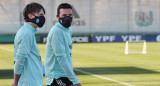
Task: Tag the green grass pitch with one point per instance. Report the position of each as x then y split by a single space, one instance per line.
101 64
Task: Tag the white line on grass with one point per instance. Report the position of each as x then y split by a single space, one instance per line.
105 78
6 49
10 50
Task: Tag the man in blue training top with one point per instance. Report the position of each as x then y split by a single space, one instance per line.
28 70
58 59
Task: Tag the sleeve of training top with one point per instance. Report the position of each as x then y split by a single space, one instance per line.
24 48
59 50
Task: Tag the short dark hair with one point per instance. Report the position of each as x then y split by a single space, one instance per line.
63 6
32 8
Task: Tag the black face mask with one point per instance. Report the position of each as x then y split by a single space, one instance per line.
38 20
66 21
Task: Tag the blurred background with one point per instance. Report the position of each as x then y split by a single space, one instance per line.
94 20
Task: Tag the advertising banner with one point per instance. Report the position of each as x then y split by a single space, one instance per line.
124 38
75 39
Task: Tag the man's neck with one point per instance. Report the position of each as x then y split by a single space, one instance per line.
33 25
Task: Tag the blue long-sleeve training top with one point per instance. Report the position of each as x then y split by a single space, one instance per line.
58 59
27 57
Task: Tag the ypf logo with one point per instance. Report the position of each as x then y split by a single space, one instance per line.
77 21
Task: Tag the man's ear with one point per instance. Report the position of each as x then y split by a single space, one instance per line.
30 16
57 17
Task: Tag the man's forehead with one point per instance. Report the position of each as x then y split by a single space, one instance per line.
67 10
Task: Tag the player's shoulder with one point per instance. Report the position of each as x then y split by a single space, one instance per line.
70 28
25 32
70 31
56 29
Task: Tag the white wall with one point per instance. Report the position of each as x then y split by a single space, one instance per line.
95 16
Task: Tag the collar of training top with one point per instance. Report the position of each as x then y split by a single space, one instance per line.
30 27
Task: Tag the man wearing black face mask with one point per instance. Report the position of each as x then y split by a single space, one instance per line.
28 70
58 58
